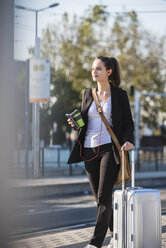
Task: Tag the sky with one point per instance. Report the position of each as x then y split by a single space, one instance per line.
151 14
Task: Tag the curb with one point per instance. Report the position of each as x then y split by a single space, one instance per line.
65 186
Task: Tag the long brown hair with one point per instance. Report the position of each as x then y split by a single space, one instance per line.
113 64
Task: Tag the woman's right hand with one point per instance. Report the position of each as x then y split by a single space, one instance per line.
70 122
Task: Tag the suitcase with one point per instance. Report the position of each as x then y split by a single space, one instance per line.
137 215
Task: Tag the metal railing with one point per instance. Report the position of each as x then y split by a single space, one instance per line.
55 158
151 159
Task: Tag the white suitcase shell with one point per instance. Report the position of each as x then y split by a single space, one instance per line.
137 217
119 219
143 211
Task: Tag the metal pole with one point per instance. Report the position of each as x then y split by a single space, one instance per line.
36 12
58 151
42 149
27 119
36 112
137 123
36 106
156 159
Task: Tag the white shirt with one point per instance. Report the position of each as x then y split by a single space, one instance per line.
96 133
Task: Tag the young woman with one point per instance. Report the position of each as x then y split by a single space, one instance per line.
94 144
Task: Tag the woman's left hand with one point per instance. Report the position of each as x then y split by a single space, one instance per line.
127 146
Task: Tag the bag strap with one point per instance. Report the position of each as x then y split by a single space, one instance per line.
99 109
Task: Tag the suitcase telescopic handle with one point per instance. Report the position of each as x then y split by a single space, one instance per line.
132 172
123 182
132 169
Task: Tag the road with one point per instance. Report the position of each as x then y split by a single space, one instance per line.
47 214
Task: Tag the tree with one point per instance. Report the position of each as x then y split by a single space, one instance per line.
72 45
141 59
67 99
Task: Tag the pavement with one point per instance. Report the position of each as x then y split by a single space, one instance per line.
46 187
77 236
69 239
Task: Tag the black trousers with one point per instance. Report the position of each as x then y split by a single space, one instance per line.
102 173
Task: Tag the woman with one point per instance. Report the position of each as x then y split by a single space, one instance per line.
94 141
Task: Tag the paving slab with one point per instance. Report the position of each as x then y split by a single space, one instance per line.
69 239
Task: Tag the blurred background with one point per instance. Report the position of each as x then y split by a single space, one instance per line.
71 35
35 138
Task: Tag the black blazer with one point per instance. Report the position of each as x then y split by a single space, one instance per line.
121 121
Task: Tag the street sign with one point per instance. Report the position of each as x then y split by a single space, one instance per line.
39 80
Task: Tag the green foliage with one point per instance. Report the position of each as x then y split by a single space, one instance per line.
97 14
66 99
72 45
